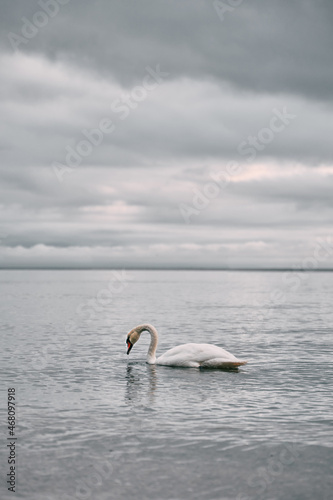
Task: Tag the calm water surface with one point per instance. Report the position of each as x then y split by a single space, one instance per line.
95 423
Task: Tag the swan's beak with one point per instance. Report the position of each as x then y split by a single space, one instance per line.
129 346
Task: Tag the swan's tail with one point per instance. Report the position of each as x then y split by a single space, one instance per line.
239 363
220 363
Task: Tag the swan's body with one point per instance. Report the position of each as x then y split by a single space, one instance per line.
186 355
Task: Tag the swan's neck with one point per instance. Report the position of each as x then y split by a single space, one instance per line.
151 358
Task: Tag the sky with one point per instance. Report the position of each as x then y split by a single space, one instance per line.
166 134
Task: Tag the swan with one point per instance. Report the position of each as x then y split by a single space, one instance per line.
186 355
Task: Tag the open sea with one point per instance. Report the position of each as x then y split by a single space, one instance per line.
94 423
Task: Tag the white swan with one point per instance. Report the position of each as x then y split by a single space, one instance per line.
186 355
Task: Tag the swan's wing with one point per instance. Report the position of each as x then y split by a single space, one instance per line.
196 355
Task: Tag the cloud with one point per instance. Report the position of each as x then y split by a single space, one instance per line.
263 49
183 120
224 83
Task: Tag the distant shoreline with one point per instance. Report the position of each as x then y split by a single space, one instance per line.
224 269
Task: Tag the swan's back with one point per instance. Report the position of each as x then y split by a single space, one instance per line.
199 355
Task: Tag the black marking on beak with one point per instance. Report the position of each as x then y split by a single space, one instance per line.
129 346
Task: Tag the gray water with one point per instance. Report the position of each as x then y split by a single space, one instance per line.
95 423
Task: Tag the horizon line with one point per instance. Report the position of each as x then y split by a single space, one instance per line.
54 268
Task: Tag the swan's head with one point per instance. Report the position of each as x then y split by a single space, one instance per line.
132 338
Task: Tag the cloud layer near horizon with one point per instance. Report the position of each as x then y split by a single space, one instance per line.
181 94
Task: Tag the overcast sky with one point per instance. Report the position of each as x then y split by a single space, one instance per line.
166 133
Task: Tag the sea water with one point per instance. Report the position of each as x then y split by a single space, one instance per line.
92 422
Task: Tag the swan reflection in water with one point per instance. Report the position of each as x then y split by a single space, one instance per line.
140 384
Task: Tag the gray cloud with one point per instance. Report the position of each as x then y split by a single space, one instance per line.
277 47
120 204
